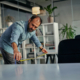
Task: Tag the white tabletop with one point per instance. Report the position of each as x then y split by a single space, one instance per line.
52 52
40 72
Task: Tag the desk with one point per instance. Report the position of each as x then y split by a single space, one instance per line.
51 56
40 72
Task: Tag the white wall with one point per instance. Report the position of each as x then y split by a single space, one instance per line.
76 15
77 24
69 12
64 10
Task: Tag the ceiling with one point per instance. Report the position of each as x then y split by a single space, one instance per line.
36 2
44 2
40 2
23 4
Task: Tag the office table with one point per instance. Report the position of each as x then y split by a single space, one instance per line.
51 56
40 72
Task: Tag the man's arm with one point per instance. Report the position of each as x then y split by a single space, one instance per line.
14 40
36 40
43 49
17 54
38 44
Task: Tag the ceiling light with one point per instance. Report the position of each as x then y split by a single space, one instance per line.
36 10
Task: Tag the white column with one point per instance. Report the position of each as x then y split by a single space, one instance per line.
35 54
56 36
0 17
24 52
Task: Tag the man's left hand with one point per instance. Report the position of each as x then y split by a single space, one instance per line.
44 50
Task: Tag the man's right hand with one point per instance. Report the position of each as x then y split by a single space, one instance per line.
17 55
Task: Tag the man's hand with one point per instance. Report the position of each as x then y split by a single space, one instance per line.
44 51
17 55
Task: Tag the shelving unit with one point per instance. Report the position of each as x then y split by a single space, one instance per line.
48 36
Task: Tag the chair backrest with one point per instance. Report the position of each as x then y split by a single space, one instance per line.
69 51
77 37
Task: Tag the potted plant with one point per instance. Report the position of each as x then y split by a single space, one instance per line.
9 20
50 10
42 11
67 31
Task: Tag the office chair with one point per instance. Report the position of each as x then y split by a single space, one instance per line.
77 37
69 51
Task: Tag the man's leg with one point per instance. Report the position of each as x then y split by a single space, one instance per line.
8 58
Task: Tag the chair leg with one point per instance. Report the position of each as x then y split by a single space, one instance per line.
47 59
53 58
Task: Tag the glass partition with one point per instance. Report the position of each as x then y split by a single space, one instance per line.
13 12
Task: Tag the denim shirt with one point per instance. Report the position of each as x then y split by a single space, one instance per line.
17 33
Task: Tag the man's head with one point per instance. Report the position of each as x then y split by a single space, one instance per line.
34 22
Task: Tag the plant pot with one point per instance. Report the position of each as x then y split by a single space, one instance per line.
42 12
50 19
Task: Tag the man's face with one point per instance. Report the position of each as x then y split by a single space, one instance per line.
33 25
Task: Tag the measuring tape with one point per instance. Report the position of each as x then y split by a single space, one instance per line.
32 58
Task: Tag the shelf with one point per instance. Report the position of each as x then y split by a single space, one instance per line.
52 52
21 48
39 53
49 35
49 46
40 58
36 47
28 47
30 52
47 23
40 36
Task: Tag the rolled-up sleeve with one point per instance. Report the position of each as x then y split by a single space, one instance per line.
36 40
15 34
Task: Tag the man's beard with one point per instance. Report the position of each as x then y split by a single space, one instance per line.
29 29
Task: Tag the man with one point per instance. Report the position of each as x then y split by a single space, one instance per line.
13 37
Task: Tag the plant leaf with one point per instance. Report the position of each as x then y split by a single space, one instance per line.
53 8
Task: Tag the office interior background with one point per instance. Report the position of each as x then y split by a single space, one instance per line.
68 11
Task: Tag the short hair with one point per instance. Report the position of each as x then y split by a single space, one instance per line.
35 16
